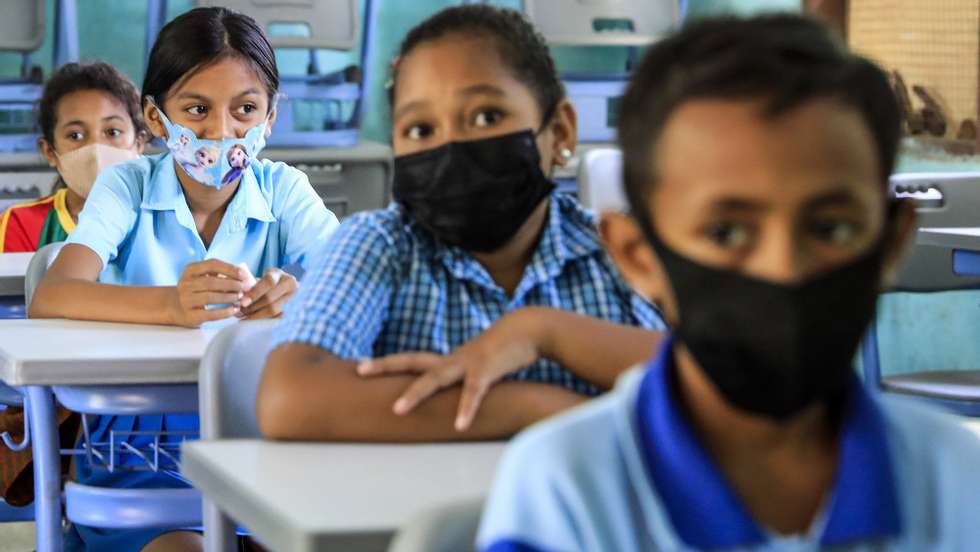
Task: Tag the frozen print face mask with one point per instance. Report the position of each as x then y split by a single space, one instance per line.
215 163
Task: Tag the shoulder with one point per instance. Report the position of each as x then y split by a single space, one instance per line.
576 219
131 178
276 173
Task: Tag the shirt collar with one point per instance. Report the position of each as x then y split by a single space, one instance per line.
165 194
568 234
704 509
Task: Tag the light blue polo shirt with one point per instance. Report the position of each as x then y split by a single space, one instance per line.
628 473
137 221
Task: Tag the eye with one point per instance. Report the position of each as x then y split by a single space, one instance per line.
418 132
75 136
197 110
835 232
113 133
488 117
729 235
247 109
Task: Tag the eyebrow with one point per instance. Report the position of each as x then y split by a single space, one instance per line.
838 197
475 90
737 204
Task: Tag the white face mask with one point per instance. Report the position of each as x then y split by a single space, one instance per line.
79 168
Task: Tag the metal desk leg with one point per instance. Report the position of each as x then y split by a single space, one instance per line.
47 469
219 530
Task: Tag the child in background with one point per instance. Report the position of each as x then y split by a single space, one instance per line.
157 244
90 119
477 232
756 160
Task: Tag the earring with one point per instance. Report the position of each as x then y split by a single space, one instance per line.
566 153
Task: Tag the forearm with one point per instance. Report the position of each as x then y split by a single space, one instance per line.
84 300
323 399
595 350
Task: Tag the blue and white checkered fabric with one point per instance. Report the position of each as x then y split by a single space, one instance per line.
384 285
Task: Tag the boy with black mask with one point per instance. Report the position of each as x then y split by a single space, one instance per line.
756 159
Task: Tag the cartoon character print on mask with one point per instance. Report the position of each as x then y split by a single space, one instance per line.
239 161
201 161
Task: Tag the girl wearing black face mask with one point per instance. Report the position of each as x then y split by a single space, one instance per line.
476 233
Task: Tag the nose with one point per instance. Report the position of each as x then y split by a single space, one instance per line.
222 125
782 257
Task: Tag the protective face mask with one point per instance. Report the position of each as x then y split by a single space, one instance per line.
215 163
79 168
474 195
773 349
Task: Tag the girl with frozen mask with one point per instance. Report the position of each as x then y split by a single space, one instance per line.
157 244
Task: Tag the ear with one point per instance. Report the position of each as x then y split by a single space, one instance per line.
152 117
900 240
564 128
634 257
272 119
47 150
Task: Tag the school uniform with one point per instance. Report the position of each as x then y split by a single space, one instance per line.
137 221
385 285
27 227
627 472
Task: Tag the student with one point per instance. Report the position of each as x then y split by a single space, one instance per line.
757 154
477 231
90 118
160 238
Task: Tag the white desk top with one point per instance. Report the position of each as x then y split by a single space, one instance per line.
294 496
13 267
63 352
959 238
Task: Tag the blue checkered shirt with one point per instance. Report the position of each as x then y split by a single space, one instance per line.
384 285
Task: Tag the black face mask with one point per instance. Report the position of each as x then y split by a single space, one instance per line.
773 349
474 195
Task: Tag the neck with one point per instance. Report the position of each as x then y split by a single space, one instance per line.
205 200
729 430
782 470
507 264
74 202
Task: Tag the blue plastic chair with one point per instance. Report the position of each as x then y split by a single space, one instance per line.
229 381
943 200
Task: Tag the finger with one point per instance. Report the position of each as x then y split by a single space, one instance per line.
474 389
280 293
272 311
212 283
260 288
422 388
213 266
208 315
214 298
400 363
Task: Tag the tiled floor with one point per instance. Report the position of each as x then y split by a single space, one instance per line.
16 537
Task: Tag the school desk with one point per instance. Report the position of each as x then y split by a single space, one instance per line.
36 355
303 496
13 267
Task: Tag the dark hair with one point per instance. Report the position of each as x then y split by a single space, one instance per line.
201 37
520 46
784 60
75 77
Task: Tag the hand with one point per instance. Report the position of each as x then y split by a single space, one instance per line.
503 349
205 283
266 298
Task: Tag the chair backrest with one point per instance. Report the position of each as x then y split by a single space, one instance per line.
332 24
22 25
38 266
450 528
228 383
942 200
603 22
600 180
